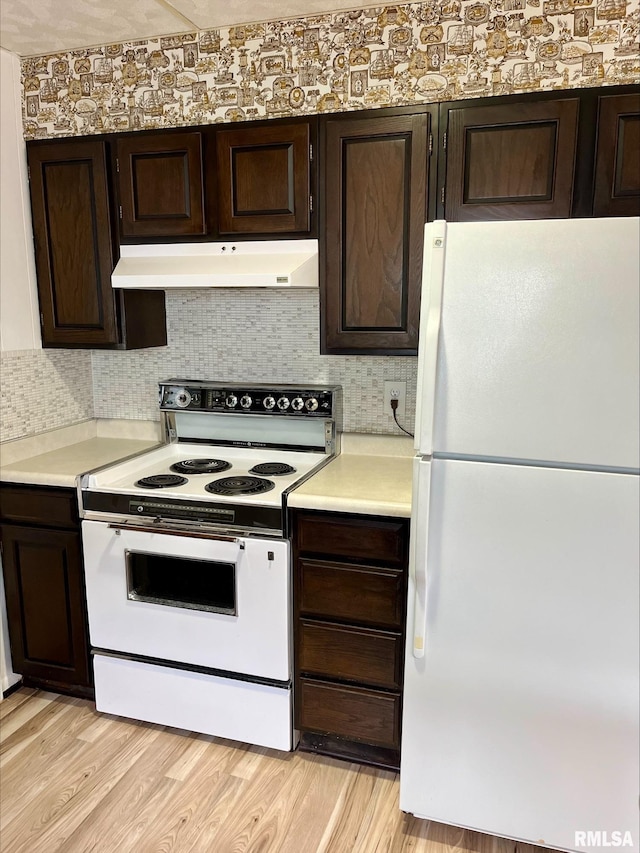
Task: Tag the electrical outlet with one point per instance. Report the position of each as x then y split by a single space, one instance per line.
395 391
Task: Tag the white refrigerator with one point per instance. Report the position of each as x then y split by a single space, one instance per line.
520 714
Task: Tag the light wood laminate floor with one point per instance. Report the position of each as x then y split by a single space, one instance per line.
73 780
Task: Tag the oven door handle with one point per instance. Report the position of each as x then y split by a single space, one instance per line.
191 533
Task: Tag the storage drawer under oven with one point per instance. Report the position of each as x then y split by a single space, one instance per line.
217 602
224 707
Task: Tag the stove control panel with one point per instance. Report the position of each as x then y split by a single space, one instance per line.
277 400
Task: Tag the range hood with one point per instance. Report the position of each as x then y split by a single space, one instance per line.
273 263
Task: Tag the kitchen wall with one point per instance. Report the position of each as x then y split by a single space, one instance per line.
375 57
19 327
372 57
248 336
39 389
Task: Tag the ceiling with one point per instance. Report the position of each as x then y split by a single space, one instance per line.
31 28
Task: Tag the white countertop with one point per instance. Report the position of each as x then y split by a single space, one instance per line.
56 458
371 476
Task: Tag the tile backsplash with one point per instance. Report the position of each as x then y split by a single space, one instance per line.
218 334
248 336
42 390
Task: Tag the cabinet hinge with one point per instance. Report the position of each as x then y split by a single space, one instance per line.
117 164
29 173
442 195
310 151
444 141
42 319
430 144
310 204
120 211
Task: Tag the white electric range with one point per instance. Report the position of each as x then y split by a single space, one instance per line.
187 562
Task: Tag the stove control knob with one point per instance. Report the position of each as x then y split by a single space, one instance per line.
231 401
311 405
182 398
245 401
269 402
283 403
297 404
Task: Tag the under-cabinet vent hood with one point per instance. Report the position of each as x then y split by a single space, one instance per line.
274 263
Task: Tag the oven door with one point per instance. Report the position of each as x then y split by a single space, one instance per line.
201 599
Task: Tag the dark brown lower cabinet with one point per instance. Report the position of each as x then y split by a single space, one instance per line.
350 574
44 587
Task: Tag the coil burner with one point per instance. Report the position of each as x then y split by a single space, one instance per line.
201 466
161 481
272 469
239 486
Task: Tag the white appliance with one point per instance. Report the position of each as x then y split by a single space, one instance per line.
521 684
187 560
263 263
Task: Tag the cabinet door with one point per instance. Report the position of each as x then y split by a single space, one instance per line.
72 236
617 170
160 185
375 184
511 161
45 605
264 179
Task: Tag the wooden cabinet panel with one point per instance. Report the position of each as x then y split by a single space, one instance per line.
45 606
351 593
511 161
370 538
33 504
375 185
363 715
263 179
350 654
617 167
160 181
142 318
70 206
74 254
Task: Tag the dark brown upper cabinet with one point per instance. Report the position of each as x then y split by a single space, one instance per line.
264 179
74 254
160 185
510 160
375 177
617 163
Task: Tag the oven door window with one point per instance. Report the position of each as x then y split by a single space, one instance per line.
179 582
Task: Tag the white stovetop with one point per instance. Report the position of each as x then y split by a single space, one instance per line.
121 478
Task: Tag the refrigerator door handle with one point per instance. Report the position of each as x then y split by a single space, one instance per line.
435 237
419 554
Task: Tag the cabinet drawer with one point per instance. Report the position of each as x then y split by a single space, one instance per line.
351 712
352 654
39 505
380 541
352 593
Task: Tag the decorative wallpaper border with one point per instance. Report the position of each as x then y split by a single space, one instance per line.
396 55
